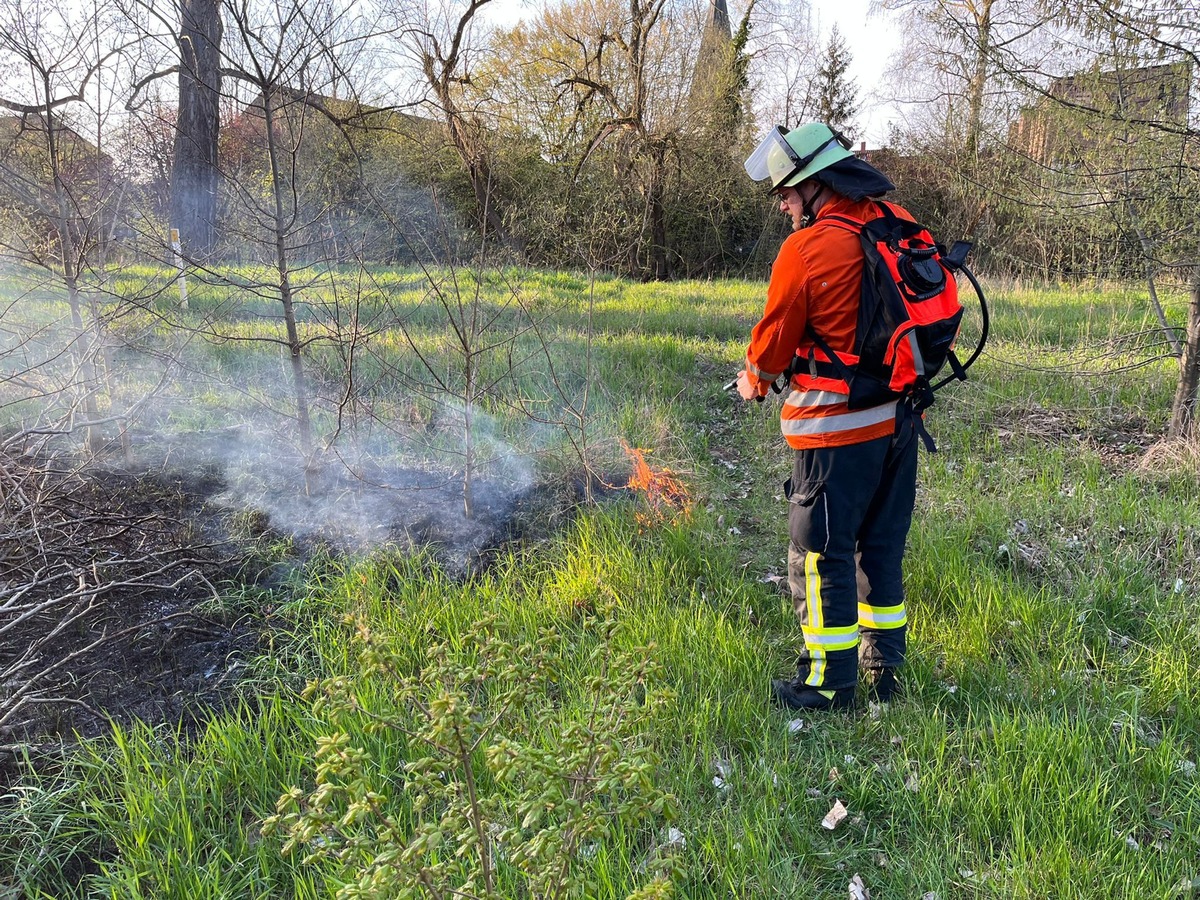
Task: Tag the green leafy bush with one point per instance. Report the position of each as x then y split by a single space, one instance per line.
506 787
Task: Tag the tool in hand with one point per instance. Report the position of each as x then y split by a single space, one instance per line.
733 384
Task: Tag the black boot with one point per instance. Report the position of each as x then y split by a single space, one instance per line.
800 696
882 685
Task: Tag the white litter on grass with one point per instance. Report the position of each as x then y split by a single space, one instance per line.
721 779
1131 843
930 895
858 890
1179 585
835 817
795 726
735 530
675 839
848 759
1186 767
912 783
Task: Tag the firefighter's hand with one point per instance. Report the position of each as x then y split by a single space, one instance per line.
745 389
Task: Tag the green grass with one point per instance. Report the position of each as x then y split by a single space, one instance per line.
1048 743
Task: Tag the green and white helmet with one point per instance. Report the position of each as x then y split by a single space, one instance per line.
790 157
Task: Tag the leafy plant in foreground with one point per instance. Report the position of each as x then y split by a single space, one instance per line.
492 800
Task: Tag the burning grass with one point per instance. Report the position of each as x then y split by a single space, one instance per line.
664 495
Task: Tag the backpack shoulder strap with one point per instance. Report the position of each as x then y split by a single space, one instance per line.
836 367
845 222
886 211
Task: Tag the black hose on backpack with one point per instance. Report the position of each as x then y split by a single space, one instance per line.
983 335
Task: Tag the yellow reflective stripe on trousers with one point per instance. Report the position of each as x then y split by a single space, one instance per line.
881 616
812 598
812 589
830 638
819 640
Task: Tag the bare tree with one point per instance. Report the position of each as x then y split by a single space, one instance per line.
968 98
620 78
1123 121
784 52
59 186
286 56
442 41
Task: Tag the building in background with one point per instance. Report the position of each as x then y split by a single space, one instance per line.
1081 111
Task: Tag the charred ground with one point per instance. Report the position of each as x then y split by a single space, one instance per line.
140 594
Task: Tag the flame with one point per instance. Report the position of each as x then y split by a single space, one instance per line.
664 492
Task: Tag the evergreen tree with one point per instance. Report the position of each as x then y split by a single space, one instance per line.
837 95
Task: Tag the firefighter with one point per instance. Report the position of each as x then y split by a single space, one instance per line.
853 483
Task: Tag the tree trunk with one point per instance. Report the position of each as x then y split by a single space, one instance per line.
468 457
983 50
194 175
660 265
475 164
1183 410
287 294
81 346
1148 252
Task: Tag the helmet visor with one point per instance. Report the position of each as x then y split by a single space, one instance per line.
773 158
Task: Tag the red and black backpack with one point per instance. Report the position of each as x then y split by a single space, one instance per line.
908 316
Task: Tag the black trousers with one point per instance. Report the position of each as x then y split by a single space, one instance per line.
850 509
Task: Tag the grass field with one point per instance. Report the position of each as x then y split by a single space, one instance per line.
1046 747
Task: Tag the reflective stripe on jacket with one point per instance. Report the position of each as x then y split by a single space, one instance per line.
817 279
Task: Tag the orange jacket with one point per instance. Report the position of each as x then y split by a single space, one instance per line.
817 279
